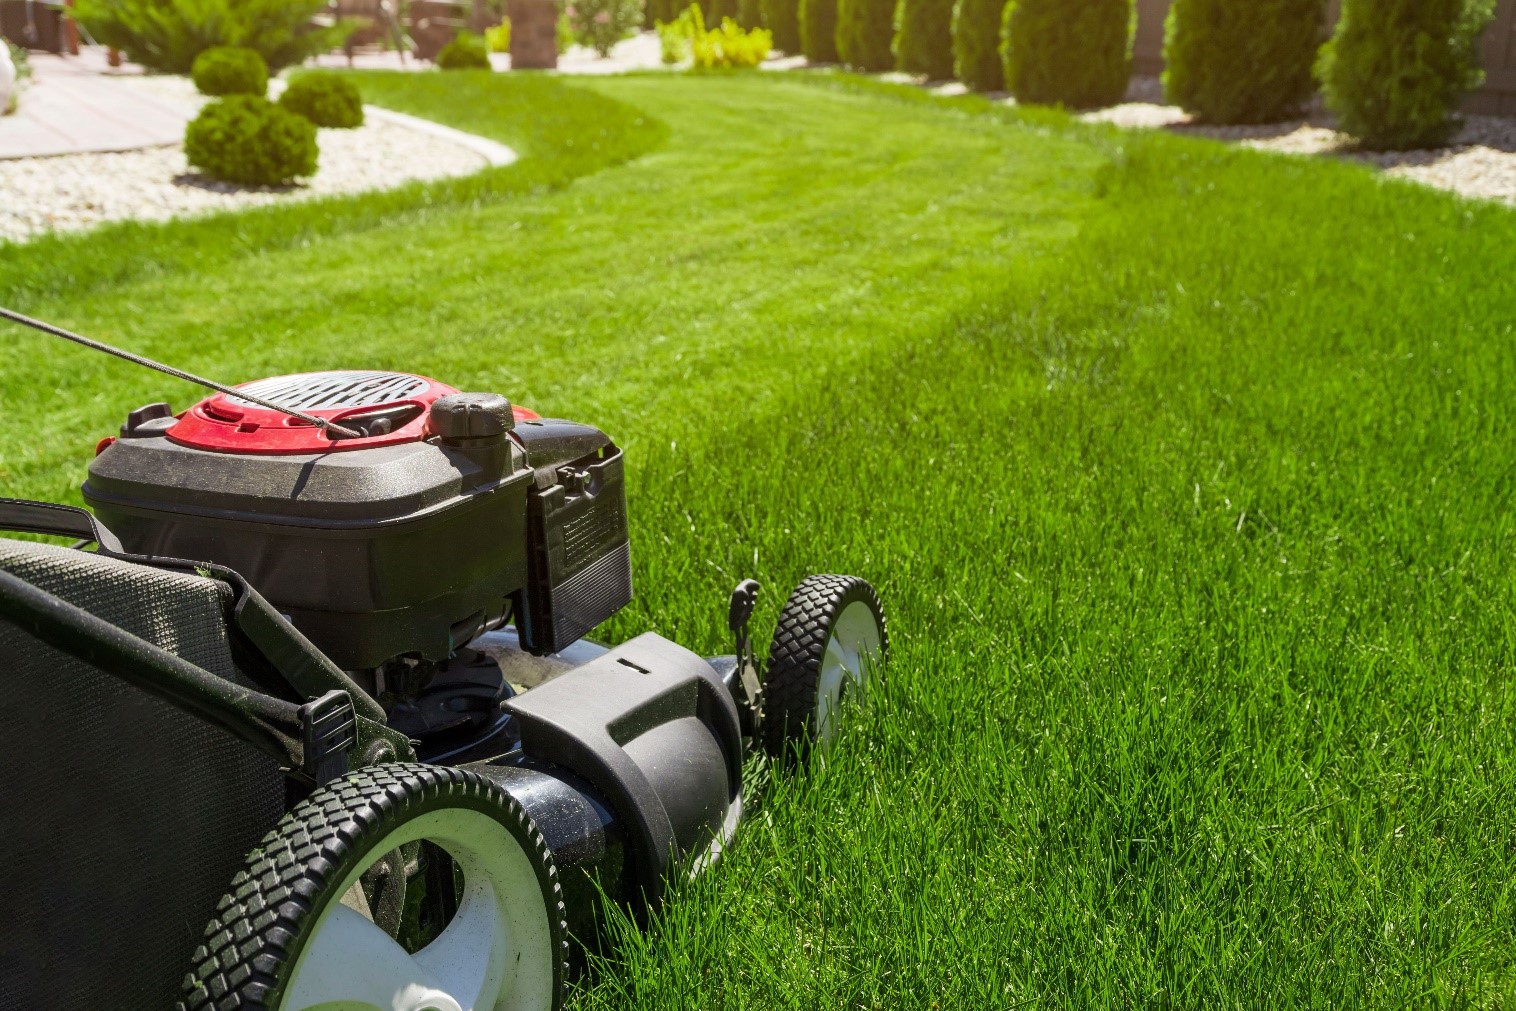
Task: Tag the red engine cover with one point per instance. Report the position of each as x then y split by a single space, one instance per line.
229 424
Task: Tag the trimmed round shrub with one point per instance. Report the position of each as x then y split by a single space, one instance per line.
976 44
1230 62
818 30
866 34
248 139
924 44
328 100
782 17
1076 53
1395 70
465 52
230 70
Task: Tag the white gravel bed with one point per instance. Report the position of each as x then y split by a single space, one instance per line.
1480 161
73 192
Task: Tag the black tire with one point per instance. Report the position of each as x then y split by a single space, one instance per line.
793 682
263 925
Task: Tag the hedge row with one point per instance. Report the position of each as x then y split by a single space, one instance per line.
1393 71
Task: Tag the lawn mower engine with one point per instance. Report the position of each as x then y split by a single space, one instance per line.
450 514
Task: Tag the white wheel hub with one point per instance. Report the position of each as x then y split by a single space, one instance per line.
495 955
852 647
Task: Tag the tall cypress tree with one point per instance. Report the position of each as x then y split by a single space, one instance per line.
924 44
818 30
976 44
865 33
1396 70
782 17
1251 62
662 10
1076 53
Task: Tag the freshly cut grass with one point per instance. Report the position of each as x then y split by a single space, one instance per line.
562 133
1184 471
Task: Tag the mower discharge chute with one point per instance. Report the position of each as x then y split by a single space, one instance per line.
323 685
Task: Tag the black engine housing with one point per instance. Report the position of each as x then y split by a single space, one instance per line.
409 549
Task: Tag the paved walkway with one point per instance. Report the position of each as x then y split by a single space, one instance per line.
78 105
74 105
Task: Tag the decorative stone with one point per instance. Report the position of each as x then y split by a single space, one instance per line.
534 34
69 192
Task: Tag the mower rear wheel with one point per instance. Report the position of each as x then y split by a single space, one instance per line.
296 931
831 635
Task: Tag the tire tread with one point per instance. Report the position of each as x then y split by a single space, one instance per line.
793 677
250 944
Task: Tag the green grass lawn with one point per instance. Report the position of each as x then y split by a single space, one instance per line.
1186 474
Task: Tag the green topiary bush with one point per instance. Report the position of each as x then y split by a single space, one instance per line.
924 43
976 44
466 52
1395 70
1076 53
248 139
167 35
866 33
818 30
782 17
230 70
326 99
1230 62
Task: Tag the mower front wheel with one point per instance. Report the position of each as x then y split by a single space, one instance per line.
831 636
297 932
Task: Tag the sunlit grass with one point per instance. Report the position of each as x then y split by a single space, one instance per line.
1185 473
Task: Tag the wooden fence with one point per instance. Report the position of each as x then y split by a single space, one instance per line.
1498 96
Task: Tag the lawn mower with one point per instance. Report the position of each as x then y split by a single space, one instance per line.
306 716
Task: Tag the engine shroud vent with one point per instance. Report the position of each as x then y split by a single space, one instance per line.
327 391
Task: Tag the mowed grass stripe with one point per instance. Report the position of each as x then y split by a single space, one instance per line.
1202 686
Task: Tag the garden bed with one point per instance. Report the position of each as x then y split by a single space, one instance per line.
1480 160
71 192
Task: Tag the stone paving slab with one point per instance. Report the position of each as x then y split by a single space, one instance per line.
73 106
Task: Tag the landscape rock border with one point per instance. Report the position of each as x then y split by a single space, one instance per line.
1479 162
79 191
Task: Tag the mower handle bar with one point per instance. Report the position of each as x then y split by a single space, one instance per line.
56 520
